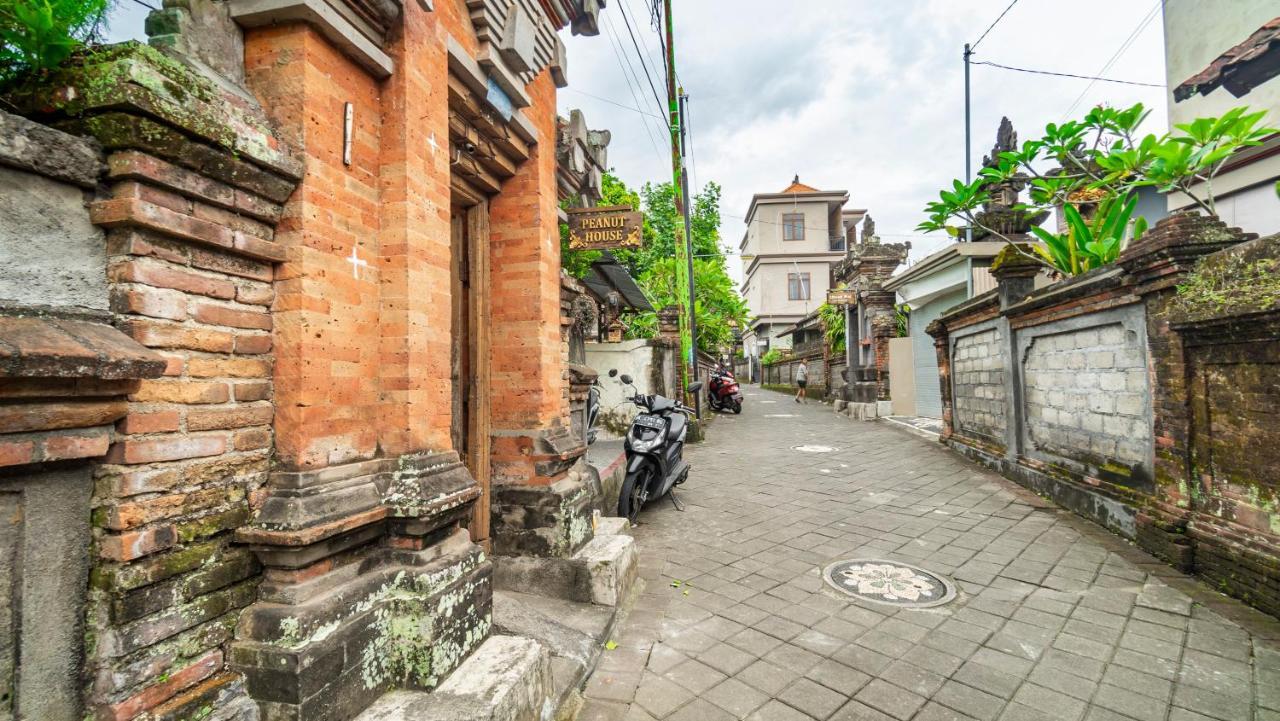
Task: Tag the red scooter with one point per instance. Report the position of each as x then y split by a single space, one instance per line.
723 392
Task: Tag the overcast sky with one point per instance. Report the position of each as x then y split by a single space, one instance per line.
860 95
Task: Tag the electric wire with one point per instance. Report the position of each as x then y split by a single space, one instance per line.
618 55
614 102
1067 75
1142 25
992 25
622 7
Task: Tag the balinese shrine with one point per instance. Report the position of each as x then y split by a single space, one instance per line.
287 415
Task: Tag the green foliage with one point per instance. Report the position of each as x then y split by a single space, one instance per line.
718 307
773 355
833 327
1091 243
38 35
1100 159
902 320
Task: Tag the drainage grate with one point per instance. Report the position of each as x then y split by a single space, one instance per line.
893 583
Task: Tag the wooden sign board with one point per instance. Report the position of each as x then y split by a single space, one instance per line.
842 296
605 228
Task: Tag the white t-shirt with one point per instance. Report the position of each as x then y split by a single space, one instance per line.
802 373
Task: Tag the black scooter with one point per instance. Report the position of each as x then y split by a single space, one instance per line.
655 450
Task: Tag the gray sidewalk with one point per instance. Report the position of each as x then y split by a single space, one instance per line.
1055 618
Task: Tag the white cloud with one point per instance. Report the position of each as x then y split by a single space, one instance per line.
860 95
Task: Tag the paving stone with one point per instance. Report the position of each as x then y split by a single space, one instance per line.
660 696
892 700
1056 619
812 698
736 697
767 677
777 711
726 659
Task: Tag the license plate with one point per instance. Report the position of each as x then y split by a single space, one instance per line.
654 422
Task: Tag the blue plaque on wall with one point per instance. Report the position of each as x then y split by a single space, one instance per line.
499 99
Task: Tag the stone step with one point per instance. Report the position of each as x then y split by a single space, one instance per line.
602 572
574 633
508 678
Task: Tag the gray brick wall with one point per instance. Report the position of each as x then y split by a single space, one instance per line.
1086 395
978 376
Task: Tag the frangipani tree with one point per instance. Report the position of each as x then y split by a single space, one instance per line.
1100 162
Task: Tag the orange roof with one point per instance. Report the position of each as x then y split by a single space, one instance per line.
798 187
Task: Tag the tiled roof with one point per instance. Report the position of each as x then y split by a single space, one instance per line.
798 187
1262 47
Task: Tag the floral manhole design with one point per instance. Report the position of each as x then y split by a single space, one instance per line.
890 582
813 449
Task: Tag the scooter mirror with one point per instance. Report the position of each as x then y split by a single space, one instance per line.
626 379
695 386
613 372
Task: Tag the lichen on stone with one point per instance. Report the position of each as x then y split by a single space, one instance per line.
1239 280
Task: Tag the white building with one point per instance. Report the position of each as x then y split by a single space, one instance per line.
1221 55
792 239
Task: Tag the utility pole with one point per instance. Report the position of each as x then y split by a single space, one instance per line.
680 188
968 154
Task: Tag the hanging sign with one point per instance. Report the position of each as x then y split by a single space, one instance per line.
604 228
842 296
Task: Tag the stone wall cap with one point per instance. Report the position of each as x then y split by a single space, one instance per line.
1094 281
47 347
977 302
35 148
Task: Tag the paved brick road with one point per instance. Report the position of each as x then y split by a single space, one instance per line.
1055 619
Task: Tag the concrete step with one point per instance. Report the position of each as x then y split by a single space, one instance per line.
602 572
508 678
574 633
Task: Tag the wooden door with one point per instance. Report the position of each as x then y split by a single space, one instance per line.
469 352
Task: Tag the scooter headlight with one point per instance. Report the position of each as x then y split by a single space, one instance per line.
644 440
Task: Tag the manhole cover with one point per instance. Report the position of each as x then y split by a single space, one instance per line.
889 582
813 449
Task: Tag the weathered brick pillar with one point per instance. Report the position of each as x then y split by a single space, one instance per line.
1156 265
878 305
942 346
371 581
195 178
540 507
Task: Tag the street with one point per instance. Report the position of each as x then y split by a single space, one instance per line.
1054 619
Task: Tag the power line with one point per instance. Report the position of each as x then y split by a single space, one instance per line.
613 102
622 7
630 86
992 25
1142 25
660 61
1068 75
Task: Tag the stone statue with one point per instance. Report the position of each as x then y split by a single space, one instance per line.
869 230
998 213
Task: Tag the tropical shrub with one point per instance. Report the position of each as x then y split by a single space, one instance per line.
771 356
1101 162
38 35
833 326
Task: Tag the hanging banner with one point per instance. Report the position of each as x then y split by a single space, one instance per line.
842 296
605 228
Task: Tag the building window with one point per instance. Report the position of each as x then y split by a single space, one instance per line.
797 286
793 226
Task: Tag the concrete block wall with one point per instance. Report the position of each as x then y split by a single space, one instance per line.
1144 397
978 374
1087 394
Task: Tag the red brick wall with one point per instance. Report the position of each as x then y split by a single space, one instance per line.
196 443
327 365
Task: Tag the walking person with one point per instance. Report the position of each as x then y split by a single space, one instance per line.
802 379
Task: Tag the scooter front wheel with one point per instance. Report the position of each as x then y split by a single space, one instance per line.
632 496
737 407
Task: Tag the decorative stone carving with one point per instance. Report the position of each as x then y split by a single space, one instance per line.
582 157
998 213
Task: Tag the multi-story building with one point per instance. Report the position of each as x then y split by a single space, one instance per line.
792 239
1219 56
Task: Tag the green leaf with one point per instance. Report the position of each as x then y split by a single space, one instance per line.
610 645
